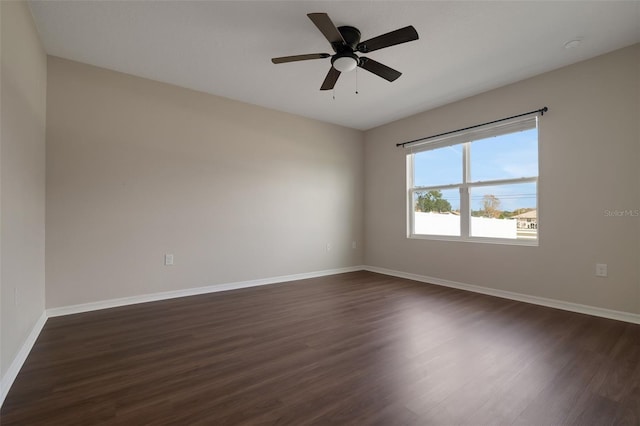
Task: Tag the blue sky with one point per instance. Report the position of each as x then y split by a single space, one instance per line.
502 157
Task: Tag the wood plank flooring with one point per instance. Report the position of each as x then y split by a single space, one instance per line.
349 349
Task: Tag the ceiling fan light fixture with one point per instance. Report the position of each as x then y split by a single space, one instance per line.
345 63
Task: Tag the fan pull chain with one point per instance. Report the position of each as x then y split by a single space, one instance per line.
356 80
334 92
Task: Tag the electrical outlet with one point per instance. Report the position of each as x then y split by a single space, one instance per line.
328 246
353 244
168 259
601 269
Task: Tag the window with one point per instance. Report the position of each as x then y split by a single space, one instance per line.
481 185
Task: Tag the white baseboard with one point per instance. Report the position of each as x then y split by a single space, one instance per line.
551 303
113 303
21 357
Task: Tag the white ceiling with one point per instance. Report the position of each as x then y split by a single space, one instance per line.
224 48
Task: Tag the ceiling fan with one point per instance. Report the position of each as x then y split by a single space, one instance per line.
345 41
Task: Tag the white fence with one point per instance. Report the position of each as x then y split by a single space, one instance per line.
449 224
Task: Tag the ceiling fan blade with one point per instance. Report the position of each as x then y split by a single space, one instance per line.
330 79
295 58
379 69
326 27
400 36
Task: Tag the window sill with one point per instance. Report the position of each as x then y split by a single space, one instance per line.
481 240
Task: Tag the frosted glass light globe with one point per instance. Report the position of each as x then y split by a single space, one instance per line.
345 64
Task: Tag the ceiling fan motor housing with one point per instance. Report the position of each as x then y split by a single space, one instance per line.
351 36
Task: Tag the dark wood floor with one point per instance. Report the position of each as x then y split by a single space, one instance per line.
358 348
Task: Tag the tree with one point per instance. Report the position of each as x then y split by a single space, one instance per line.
432 201
491 206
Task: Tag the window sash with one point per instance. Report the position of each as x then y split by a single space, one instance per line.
476 184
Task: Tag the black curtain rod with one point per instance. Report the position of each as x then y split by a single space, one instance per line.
541 111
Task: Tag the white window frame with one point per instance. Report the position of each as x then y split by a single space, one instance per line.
465 139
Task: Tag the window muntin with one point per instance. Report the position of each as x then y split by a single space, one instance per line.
480 186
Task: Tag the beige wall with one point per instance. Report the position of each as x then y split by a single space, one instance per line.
22 178
590 151
137 169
